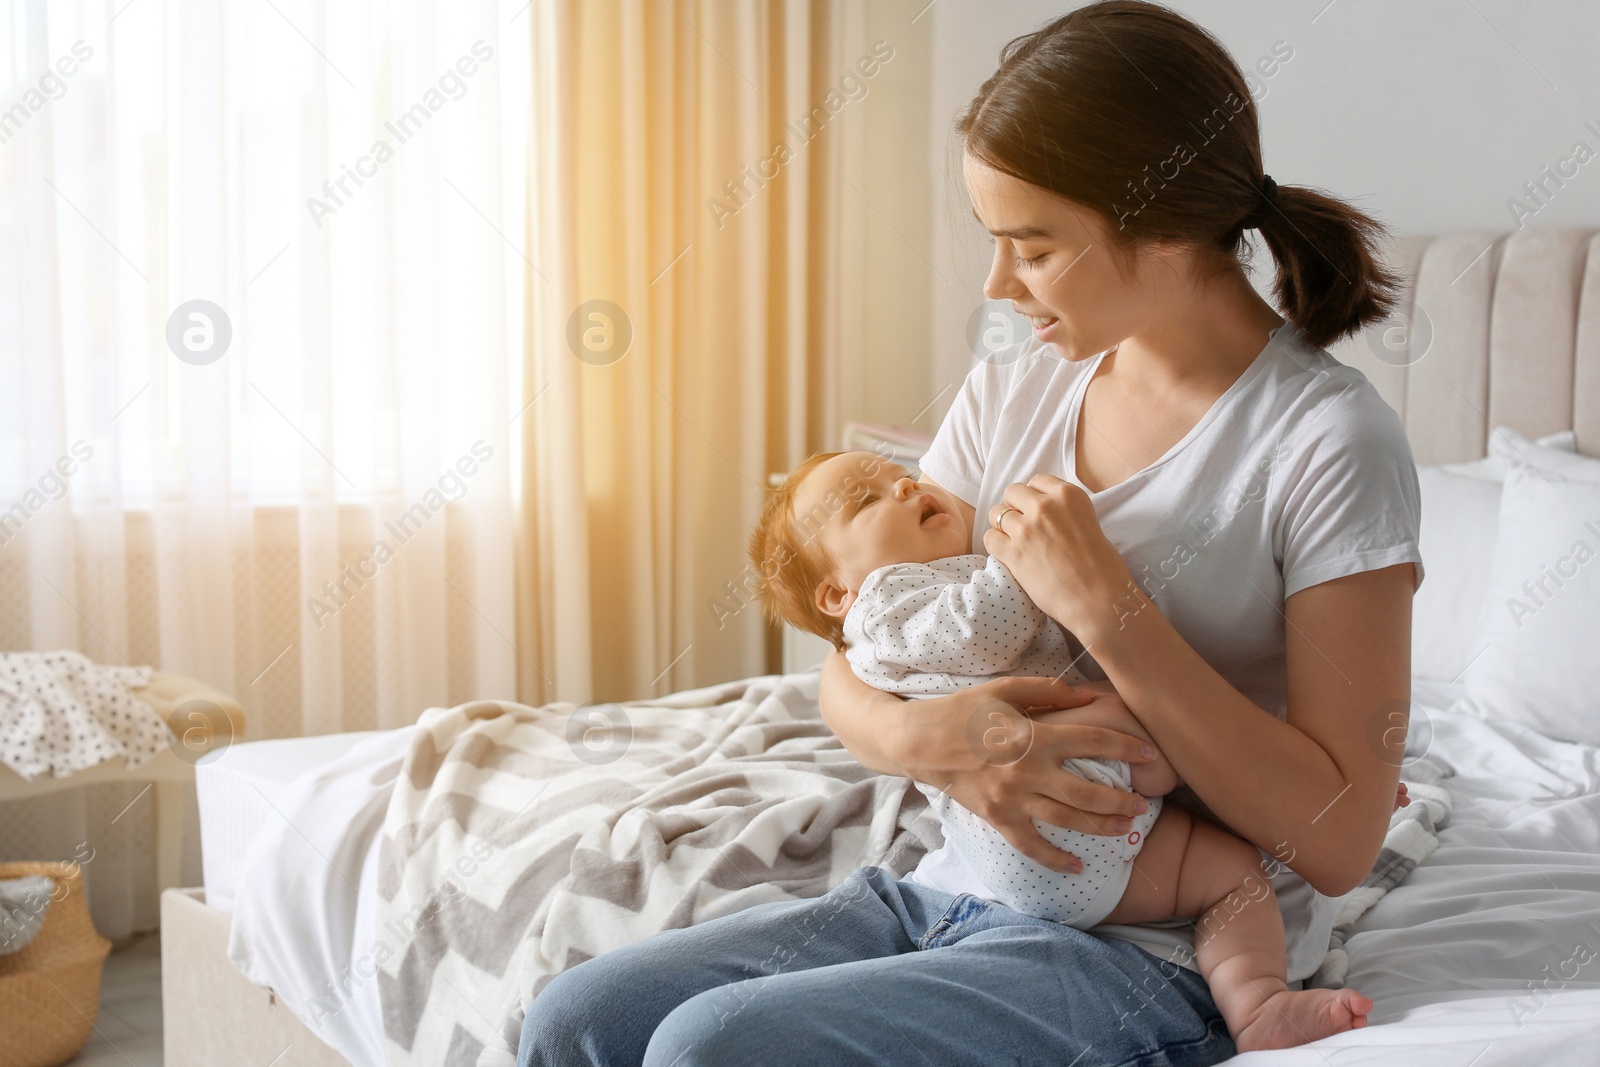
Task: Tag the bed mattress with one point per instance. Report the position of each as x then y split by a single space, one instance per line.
238 789
1485 955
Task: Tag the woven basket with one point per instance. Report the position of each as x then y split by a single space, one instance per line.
50 991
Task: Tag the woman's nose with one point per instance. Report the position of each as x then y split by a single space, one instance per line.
1002 282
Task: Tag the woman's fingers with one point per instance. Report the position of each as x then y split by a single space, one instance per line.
1045 483
997 732
1022 497
1020 830
1018 776
1036 694
997 515
1088 806
1072 741
996 543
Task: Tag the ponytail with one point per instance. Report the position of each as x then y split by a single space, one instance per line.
1329 282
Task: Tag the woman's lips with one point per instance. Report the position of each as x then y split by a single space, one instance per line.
1042 323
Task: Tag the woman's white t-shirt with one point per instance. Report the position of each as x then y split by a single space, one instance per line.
1298 474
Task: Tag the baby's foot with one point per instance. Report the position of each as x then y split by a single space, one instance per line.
1293 1018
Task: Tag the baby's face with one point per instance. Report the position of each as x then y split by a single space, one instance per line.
866 513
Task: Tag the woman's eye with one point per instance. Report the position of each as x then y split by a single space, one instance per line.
1023 261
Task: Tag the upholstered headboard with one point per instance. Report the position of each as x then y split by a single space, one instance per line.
1497 329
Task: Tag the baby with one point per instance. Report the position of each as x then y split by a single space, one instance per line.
855 550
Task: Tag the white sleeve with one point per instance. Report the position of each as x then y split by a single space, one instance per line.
955 459
920 619
1351 500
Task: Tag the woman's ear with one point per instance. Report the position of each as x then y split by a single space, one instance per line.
833 599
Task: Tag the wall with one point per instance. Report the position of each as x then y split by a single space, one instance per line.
1429 115
886 206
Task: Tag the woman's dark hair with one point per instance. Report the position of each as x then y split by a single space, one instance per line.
1129 109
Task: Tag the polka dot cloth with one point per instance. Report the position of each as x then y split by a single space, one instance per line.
932 628
61 712
927 629
1079 900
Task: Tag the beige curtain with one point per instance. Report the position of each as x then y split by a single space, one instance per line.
729 214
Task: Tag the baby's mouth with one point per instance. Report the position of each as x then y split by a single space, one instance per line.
929 510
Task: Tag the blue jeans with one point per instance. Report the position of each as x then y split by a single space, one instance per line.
876 971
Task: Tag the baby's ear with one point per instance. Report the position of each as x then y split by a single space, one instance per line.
833 599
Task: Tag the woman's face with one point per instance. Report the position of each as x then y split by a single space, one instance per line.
1053 262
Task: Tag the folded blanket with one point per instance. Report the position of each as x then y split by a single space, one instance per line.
521 841
60 712
1413 835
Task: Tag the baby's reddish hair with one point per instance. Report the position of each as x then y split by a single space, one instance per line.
790 561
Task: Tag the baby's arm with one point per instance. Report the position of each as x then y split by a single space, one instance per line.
1153 779
918 618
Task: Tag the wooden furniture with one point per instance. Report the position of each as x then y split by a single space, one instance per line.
213 1014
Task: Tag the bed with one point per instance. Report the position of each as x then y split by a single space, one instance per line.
435 876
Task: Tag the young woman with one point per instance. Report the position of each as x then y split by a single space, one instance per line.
1222 514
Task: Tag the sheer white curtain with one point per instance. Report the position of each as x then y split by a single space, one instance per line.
315 517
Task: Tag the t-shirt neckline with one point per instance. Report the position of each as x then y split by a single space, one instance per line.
1069 445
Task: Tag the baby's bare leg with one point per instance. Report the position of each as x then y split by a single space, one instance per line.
1189 866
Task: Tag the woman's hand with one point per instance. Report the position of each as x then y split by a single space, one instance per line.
1048 536
995 759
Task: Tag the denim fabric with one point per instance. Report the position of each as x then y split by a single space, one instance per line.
876 971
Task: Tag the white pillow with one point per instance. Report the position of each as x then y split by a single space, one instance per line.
1460 515
1507 446
1540 629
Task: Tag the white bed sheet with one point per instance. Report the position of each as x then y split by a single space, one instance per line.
1489 953
305 909
1473 960
237 788
1514 886
1458 1031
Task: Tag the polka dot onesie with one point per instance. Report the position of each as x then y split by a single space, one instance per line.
928 629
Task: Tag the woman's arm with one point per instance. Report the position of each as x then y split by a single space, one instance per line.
996 762
1316 789
1331 768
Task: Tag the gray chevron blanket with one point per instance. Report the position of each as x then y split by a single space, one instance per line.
520 841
